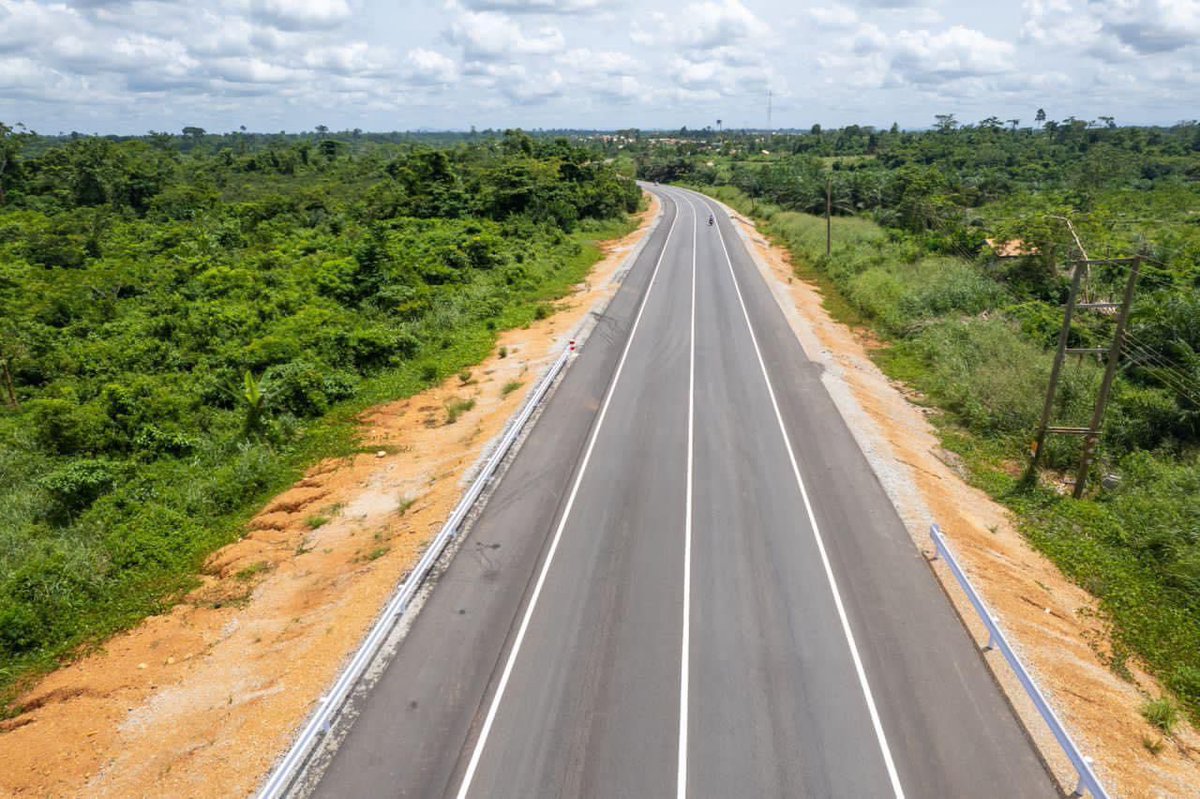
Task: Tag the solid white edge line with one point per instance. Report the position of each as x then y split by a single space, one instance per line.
477 753
812 519
685 647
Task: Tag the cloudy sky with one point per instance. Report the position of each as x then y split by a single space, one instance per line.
128 66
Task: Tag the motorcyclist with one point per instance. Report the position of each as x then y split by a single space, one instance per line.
711 220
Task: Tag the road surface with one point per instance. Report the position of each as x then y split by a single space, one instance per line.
689 583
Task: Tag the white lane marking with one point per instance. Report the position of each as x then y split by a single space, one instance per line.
490 719
685 649
812 520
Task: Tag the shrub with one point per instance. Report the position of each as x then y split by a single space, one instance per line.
456 407
305 388
1162 713
155 538
80 483
64 427
153 440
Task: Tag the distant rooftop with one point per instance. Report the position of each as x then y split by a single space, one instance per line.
1016 248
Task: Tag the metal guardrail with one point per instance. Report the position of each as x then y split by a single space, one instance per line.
321 721
996 640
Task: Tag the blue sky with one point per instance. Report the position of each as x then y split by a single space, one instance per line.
128 66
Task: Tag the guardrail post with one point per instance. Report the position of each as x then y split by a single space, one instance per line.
1081 786
328 725
991 644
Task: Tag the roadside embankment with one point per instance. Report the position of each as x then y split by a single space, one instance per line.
200 701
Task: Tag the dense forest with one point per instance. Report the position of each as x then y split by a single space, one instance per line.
186 322
973 332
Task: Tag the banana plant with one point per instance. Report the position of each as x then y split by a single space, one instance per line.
255 398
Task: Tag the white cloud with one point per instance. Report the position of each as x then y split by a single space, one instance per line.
600 62
1151 26
1113 28
251 70
539 6
703 26
924 56
490 36
351 59
834 16
302 14
431 67
129 65
520 85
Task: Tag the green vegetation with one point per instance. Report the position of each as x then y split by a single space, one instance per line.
1162 713
457 407
375 554
185 327
510 387
973 332
253 570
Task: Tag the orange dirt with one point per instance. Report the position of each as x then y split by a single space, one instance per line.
1052 623
199 702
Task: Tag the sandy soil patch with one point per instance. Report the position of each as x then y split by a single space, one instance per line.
1052 622
200 701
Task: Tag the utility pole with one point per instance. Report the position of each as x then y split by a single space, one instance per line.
828 216
1091 433
1110 372
768 111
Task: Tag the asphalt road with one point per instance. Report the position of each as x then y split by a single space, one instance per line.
688 583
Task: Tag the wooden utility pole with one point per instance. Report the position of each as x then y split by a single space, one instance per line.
1110 372
1056 370
1091 433
828 216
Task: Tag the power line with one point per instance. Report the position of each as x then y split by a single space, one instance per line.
1152 347
1166 374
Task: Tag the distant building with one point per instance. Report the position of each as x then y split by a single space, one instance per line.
1012 249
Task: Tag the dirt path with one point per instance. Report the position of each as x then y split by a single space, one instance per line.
200 701
1052 621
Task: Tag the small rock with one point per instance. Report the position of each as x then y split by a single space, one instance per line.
170 661
381 453
141 665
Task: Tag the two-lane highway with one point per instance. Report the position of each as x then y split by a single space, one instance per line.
689 583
